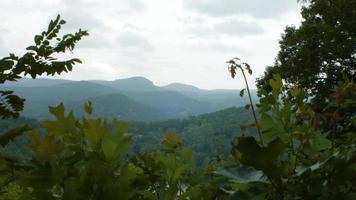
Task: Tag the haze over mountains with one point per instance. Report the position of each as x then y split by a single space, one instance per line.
135 98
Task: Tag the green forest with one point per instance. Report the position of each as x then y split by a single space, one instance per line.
294 138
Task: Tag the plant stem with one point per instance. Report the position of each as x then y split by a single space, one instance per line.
252 107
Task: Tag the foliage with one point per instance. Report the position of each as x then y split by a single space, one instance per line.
13 133
87 159
298 155
38 59
297 159
320 52
207 135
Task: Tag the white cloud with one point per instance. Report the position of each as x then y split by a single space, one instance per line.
166 41
129 40
224 27
137 4
254 8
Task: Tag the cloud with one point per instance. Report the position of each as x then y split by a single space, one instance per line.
227 26
137 4
159 39
6 42
254 8
132 41
82 20
3 49
82 14
238 28
95 41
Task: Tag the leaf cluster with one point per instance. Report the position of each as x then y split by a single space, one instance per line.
40 58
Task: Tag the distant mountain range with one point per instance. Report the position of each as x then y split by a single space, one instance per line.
135 98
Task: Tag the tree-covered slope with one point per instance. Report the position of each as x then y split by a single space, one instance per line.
218 99
108 101
208 134
132 94
119 106
39 98
173 104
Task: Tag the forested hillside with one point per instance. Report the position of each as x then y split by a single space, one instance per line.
134 98
207 135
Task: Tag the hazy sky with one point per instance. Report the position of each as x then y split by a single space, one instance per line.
187 41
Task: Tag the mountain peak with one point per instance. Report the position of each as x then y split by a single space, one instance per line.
181 87
135 79
137 83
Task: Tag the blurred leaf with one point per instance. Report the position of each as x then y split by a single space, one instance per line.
318 142
11 134
171 141
242 92
265 159
88 107
276 84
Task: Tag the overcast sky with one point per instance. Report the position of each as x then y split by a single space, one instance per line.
187 41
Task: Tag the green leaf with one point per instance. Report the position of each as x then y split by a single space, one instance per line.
38 39
265 159
115 145
88 107
171 141
271 129
10 104
120 126
180 171
109 148
295 91
318 142
353 121
9 135
57 111
242 92
276 84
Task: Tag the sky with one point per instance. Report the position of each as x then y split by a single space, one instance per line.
166 41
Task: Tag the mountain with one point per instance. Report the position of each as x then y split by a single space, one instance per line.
118 106
39 98
109 101
106 100
171 103
41 82
134 98
218 99
139 84
181 87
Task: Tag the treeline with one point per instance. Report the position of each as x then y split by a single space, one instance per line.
208 135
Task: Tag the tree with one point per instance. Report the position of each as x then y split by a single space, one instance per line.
39 59
319 53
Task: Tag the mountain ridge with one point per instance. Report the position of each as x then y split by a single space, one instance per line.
176 100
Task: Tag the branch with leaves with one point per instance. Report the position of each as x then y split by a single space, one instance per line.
38 60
